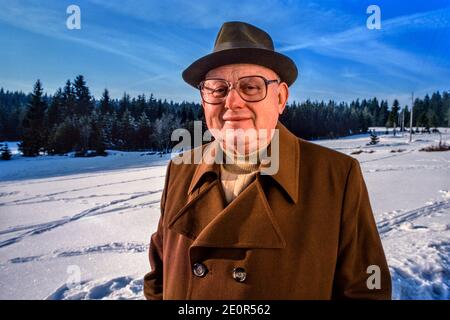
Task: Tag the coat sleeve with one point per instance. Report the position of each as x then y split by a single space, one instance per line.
361 270
153 281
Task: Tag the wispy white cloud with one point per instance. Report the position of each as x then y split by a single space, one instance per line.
201 14
134 49
370 52
425 20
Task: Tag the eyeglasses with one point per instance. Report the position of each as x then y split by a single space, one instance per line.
250 89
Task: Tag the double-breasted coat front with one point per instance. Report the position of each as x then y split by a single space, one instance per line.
306 232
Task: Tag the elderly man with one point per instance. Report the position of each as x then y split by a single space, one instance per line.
231 230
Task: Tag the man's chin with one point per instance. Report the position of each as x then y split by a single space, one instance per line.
240 142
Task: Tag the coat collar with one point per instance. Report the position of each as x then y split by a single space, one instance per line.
286 176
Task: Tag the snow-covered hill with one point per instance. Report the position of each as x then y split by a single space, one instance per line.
74 228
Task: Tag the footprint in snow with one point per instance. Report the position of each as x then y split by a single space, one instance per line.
125 287
408 226
438 227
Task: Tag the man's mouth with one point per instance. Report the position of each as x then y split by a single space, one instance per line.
235 118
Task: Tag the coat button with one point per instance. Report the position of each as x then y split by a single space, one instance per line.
199 270
239 274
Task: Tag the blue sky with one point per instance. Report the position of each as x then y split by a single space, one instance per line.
143 46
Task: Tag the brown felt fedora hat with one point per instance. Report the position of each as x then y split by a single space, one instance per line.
240 42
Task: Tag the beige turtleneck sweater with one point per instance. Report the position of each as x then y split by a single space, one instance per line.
237 175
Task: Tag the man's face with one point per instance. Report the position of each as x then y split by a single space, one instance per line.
236 113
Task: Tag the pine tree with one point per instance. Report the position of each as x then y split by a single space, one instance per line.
374 139
437 113
83 99
105 103
446 108
68 101
448 117
365 119
54 115
127 130
393 115
159 109
5 152
143 132
422 121
108 124
374 108
98 136
85 129
124 104
140 106
425 118
66 137
33 141
383 114
405 120
433 119
114 128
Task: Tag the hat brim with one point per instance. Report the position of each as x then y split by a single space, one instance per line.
281 64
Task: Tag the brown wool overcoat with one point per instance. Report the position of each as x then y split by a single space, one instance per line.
307 232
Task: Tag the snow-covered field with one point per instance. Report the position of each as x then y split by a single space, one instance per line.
74 228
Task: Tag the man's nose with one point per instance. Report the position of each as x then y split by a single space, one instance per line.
234 100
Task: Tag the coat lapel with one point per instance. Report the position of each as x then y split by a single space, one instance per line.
247 222
202 207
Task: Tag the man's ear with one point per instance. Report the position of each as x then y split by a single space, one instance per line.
283 95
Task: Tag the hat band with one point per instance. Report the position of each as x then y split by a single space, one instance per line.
239 45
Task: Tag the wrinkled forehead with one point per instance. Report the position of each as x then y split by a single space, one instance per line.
232 72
